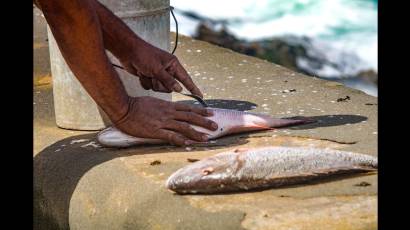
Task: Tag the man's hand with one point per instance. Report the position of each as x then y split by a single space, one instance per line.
150 117
83 29
157 69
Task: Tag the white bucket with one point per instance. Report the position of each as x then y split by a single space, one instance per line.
74 108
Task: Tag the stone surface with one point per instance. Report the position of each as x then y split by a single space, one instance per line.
82 185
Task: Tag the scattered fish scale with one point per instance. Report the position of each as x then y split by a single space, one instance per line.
246 169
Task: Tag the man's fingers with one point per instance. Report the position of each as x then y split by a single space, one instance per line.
173 137
195 115
159 87
152 83
131 69
146 83
168 81
182 76
196 109
186 130
195 119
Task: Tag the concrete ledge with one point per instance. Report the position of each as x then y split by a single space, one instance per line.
81 185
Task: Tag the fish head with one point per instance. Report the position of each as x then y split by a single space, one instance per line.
202 175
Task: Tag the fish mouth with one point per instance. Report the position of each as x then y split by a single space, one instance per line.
169 184
197 184
180 181
179 186
200 187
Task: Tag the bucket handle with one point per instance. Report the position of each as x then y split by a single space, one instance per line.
171 9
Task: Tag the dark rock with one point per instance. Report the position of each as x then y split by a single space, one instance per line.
347 98
283 51
220 38
363 184
156 162
192 160
369 76
287 51
275 50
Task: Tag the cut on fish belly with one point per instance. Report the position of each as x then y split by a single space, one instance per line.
267 167
229 122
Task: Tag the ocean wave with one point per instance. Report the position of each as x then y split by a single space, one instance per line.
347 27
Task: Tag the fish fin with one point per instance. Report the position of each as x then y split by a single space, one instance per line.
247 128
278 123
325 174
332 171
342 170
260 126
208 171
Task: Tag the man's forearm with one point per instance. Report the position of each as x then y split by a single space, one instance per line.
115 31
75 26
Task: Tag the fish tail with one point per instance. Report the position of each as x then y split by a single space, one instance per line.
366 162
371 165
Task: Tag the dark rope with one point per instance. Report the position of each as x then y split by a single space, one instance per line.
171 8
176 29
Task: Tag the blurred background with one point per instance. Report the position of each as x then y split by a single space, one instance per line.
330 39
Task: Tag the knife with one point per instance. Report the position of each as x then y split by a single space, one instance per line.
200 100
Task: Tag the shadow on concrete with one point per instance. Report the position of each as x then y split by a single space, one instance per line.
225 104
59 168
328 121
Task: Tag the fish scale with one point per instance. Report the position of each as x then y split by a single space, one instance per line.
266 167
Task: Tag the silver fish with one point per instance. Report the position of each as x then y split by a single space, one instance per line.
229 122
268 167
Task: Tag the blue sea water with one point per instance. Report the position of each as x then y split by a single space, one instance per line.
345 31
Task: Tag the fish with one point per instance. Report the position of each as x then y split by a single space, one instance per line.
229 122
245 169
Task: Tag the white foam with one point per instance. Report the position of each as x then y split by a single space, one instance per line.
317 19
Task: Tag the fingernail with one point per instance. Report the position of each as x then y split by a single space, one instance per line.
210 112
177 88
204 137
214 125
